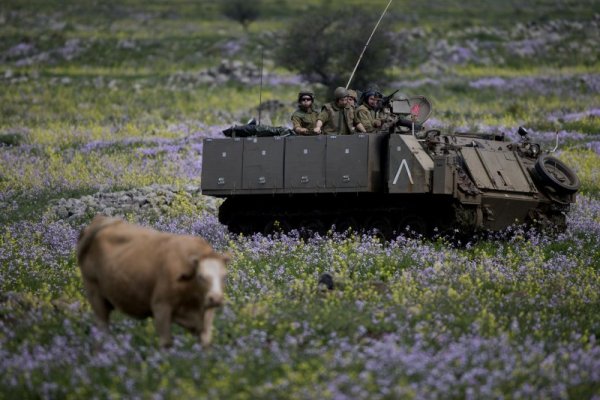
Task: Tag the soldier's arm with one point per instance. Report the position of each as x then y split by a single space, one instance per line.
321 120
298 125
362 118
379 118
318 126
361 128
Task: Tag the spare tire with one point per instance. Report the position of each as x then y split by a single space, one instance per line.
556 174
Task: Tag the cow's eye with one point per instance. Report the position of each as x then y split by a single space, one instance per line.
186 277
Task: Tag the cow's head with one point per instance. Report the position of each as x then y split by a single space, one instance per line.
211 272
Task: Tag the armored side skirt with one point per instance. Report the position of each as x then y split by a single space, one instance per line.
298 164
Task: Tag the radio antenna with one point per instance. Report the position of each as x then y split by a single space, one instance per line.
262 54
367 44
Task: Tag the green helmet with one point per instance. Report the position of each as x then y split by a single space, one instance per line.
340 92
305 93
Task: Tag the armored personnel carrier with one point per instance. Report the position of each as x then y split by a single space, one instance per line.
402 177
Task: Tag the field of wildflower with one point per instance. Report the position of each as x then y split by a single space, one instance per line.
108 96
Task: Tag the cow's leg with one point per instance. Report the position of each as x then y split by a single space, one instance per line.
206 329
162 313
100 305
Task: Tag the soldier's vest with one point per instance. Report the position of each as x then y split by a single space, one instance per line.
340 120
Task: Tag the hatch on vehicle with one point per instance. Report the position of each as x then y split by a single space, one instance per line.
497 170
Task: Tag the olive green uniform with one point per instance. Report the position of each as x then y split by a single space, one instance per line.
305 119
367 116
337 120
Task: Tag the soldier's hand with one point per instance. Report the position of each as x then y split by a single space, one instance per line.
317 130
377 123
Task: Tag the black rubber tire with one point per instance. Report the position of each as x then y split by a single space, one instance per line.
557 174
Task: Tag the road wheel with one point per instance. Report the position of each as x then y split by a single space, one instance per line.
413 224
309 227
380 227
345 225
276 225
242 225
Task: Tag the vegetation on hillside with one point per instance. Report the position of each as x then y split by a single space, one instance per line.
103 96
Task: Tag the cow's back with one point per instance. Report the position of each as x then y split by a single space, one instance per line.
126 262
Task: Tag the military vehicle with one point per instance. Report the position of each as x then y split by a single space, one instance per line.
402 177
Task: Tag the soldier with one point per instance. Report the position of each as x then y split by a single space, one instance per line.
366 114
337 117
304 118
352 96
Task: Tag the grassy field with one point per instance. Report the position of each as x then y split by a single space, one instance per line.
104 96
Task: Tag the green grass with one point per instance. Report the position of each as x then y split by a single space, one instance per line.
514 311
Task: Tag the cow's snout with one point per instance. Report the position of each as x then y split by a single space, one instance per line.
214 299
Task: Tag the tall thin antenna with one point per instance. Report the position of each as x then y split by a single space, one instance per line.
367 44
262 54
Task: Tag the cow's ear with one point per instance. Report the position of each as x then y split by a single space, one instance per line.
190 269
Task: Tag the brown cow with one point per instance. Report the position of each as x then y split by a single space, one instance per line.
143 273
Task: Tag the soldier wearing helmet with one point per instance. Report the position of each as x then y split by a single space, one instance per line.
304 119
366 114
337 117
352 96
